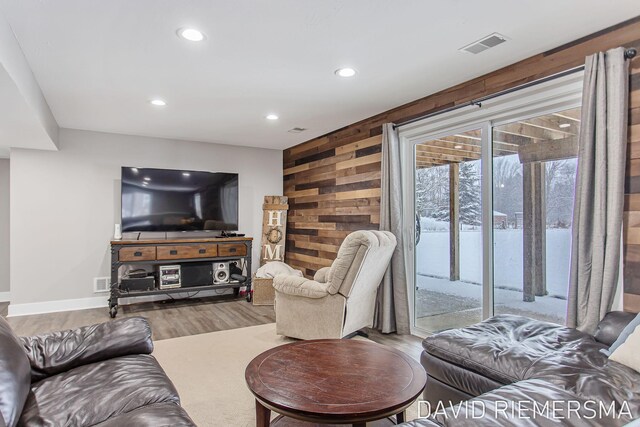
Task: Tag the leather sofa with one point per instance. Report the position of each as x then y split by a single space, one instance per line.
503 371
101 375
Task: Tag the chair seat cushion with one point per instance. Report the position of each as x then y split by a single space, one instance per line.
503 347
299 286
91 394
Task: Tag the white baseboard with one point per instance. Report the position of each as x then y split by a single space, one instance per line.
5 296
56 306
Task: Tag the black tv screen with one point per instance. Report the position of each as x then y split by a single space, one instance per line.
178 200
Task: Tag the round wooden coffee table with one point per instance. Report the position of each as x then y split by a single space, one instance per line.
333 382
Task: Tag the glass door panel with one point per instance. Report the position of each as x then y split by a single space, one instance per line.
534 170
448 256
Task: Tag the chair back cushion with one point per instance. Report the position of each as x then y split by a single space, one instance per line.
362 260
15 375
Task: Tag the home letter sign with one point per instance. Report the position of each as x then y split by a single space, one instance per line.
274 228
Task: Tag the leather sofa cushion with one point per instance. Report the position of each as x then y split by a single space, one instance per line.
56 352
586 372
91 394
156 415
502 348
512 405
612 325
468 382
15 376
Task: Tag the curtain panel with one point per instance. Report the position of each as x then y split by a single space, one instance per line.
599 199
392 308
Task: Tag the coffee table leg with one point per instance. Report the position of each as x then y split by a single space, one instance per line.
400 417
263 415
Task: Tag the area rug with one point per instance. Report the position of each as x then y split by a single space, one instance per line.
208 371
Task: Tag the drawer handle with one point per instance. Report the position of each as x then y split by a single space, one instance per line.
232 250
202 251
138 253
173 252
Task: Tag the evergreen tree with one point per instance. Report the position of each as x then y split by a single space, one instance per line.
470 204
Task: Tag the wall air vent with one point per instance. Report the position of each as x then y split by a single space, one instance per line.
101 284
485 43
297 130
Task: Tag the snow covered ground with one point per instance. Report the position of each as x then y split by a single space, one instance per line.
437 296
432 257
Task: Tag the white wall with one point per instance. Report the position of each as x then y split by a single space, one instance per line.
64 204
4 226
17 68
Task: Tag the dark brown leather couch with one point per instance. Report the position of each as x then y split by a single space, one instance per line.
505 369
101 375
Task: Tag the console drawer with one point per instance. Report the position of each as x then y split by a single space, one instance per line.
232 249
137 253
187 251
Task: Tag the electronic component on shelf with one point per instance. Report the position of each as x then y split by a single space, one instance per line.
138 284
169 277
221 273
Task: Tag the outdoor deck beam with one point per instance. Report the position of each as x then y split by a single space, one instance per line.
454 224
534 231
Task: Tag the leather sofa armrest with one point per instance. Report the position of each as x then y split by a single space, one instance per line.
300 286
611 326
322 275
57 352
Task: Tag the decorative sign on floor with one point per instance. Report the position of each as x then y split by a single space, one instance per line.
274 228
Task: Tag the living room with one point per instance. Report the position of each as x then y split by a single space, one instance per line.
449 189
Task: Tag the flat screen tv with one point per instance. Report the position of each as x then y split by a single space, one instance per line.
178 200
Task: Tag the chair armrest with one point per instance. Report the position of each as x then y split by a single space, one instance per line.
300 286
56 352
322 275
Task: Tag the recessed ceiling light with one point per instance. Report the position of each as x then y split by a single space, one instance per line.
271 117
564 125
457 147
186 174
146 178
191 34
158 102
345 72
145 183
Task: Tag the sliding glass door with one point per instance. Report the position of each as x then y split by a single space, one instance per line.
491 192
448 255
534 173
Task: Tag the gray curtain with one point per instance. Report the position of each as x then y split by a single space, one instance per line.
392 310
597 213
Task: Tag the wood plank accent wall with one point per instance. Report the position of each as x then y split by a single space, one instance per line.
632 197
333 182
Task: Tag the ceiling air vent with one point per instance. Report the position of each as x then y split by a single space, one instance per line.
483 44
297 130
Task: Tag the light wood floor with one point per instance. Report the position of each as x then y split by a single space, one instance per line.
183 317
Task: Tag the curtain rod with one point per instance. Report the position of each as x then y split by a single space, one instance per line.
628 54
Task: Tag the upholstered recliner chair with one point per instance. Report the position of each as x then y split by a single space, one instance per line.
340 299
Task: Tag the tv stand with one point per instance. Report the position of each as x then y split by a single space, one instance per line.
177 251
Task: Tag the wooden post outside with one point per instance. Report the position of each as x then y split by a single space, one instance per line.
528 233
274 228
454 222
534 231
540 215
